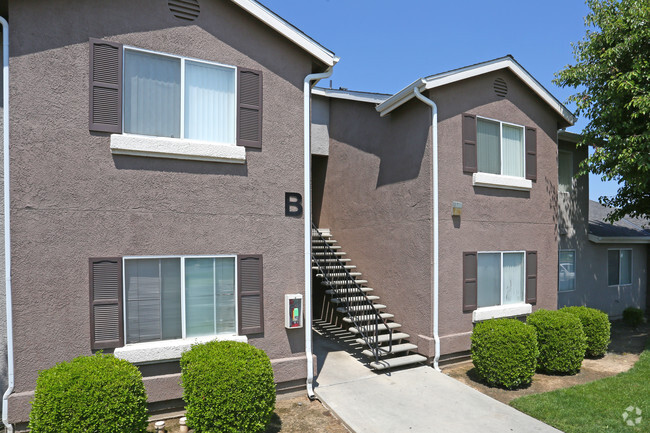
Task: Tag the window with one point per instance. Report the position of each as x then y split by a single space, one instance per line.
500 278
565 171
619 267
178 297
170 96
567 270
500 148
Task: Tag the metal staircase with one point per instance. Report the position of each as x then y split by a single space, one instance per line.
385 345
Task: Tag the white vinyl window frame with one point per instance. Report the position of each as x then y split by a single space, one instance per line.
523 144
575 270
523 253
620 267
182 276
183 59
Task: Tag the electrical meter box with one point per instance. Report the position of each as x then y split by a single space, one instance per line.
292 311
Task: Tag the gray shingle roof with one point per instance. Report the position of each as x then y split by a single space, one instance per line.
625 227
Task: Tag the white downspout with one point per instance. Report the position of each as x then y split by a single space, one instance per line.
7 210
436 247
306 203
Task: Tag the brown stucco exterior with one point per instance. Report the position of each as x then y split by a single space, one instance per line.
378 201
72 199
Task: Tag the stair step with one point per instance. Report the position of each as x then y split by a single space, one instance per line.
344 282
397 362
340 274
385 338
368 317
339 292
354 299
327 253
336 267
331 260
323 241
326 247
397 348
356 308
371 328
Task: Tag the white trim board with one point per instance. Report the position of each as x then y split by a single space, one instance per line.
444 78
375 98
288 31
619 239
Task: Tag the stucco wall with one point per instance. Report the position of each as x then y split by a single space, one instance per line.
72 199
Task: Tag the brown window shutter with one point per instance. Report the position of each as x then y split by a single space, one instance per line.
106 322
470 269
249 108
470 164
105 86
531 153
531 277
251 294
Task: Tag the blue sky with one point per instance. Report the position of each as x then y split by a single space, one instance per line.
385 45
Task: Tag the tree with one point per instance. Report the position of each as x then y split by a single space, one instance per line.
612 78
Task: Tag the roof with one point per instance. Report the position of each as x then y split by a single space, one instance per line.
625 230
351 95
444 78
288 30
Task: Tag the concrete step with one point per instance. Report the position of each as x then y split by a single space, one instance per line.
355 308
397 348
371 328
327 253
321 260
322 241
334 268
397 362
339 292
343 282
368 317
339 274
326 247
353 299
385 338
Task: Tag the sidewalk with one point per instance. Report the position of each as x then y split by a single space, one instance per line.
413 400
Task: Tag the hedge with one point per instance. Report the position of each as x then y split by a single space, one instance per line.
504 352
99 394
227 387
596 327
633 316
561 340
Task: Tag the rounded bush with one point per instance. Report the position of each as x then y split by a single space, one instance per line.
100 394
504 352
633 316
561 340
227 387
596 327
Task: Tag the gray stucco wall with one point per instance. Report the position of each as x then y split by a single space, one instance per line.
592 289
72 199
377 200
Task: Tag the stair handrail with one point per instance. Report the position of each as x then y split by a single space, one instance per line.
377 351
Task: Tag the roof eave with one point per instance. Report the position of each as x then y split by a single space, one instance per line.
619 239
348 95
288 31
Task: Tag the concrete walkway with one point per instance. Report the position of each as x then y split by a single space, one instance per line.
418 399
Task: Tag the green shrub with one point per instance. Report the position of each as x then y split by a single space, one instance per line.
99 394
633 316
561 340
227 387
596 326
504 352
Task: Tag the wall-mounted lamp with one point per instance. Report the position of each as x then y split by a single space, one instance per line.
456 208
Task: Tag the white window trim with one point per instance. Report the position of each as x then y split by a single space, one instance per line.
501 253
181 341
523 143
178 148
498 311
575 267
489 180
558 172
619 267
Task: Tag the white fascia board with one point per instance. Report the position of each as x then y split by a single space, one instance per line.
473 71
350 95
288 31
400 97
619 239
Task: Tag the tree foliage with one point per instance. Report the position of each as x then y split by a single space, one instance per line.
612 78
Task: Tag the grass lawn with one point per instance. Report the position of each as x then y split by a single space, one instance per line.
597 406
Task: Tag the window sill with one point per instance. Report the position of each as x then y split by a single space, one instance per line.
176 148
166 350
490 180
497 311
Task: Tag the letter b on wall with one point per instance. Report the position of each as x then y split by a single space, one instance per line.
292 204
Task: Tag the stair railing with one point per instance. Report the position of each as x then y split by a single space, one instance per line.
335 276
